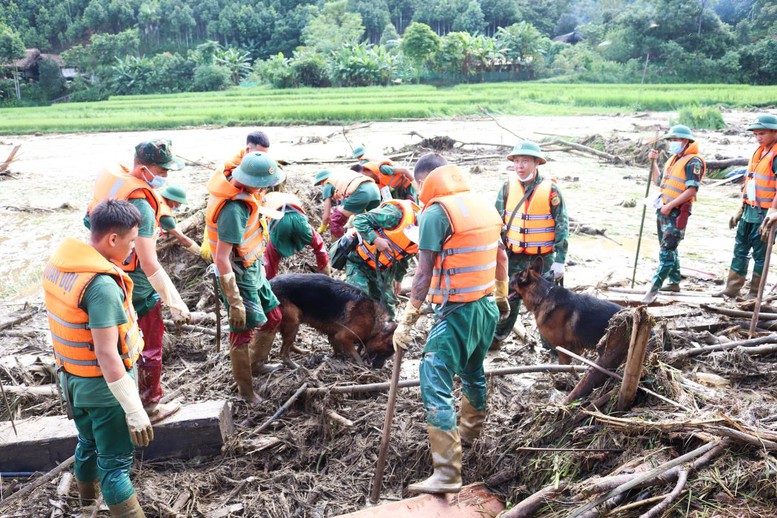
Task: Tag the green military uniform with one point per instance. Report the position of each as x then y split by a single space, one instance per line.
291 233
748 238
458 341
669 234
365 197
167 223
104 449
254 287
379 286
517 262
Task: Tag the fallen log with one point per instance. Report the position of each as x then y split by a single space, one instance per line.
739 312
585 149
687 353
656 511
728 162
640 335
49 390
528 506
377 387
170 325
17 320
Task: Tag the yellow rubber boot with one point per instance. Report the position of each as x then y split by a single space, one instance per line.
260 347
755 282
734 283
446 459
130 508
470 422
87 492
240 357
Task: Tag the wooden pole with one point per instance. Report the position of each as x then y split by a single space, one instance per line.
761 286
640 334
377 481
644 209
218 310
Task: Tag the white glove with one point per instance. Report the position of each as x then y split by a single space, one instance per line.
162 284
558 270
126 393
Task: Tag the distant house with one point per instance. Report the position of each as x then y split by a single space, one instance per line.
571 37
27 67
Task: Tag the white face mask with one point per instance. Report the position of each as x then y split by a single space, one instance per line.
528 179
675 147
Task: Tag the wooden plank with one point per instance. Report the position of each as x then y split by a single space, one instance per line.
699 323
44 442
673 311
473 501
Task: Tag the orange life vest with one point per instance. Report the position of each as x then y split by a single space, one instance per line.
254 241
231 164
760 171
533 228
392 181
118 184
283 201
673 178
401 245
465 268
345 182
67 275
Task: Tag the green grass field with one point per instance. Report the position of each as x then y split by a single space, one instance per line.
248 106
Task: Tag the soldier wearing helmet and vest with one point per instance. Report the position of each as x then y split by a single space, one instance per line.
461 264
153 160
397 180
758 211
97 341
291 233
388 237
535 220
345 194
679 183
172 198
237 234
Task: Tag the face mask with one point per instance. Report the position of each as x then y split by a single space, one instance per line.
529 178
675 147
156 182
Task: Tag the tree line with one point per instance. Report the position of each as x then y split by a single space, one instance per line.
159 46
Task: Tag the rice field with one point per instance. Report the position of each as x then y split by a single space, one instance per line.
252 105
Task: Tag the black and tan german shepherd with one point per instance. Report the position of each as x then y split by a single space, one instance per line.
564 318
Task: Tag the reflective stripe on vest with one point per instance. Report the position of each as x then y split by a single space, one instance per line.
533 229
760 171
64 289
118 184
392 181
465 268
674 176
253 242
346 182
401 245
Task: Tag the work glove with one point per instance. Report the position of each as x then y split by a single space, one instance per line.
326 270
558 270
194 249
205 253
126 393
407 321
768 223
237 311
734 221
501 300
162 284
323 228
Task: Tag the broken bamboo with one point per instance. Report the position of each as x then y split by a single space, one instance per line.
686 353
282 410
640 335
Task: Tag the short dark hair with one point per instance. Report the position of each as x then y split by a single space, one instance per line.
117 216
428 163
258 138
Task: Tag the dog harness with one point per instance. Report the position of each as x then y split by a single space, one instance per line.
67 275
674 176
401 245
533 230
760 171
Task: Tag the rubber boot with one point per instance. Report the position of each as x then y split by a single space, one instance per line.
446 459
672 288
260 347
337 222
130 508
651 294
87 492
160 411
470 422
734 283
240 357
755 283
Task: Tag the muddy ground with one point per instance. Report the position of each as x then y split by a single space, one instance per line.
308 465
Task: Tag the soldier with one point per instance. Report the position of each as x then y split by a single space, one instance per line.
353 192
173 197
460 263
291 233
535 220
153 160
236 231
97 341
757 213
679 184
388 237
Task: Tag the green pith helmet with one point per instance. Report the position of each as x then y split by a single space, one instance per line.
158 152
527 148
359 151
175 193
321 176
258 170
764 122
680 131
